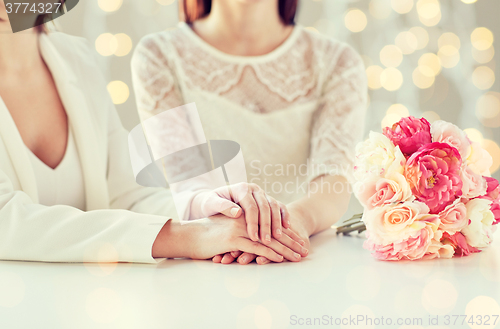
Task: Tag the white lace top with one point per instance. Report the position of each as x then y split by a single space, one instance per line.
297 112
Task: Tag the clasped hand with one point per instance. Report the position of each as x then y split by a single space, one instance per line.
268 222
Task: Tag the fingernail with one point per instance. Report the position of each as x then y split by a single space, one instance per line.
305 251
278 232
256 236
288 223
296 255
281 258
302 242
268 238
244 259
234 211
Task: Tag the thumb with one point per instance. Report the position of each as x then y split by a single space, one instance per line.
228 208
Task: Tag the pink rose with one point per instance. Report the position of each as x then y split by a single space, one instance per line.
473 185
453 217
434 175
459 243
409 134
412 248
445 132
493 194
394 223
381 191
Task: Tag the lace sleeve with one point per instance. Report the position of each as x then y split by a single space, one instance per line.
168 123
156 87
339 122
157 90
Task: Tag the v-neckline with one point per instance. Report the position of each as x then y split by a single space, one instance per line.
63 160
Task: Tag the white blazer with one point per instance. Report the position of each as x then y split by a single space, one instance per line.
122 218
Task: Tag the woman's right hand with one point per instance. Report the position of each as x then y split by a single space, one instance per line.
205 238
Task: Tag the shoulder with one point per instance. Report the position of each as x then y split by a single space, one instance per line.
72 47
331 52
158 44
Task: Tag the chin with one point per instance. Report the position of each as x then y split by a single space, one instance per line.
254 1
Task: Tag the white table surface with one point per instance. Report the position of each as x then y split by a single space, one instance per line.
338 279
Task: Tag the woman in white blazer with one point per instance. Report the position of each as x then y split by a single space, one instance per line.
67 192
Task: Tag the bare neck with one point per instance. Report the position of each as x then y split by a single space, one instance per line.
243 27
19 52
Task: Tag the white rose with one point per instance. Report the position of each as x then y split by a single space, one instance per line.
479 231
377 156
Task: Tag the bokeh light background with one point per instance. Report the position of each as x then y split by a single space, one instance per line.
431 58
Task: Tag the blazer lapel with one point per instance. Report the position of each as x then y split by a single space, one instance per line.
17 152
76 105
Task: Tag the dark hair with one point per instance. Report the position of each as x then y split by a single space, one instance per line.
195 9
44 18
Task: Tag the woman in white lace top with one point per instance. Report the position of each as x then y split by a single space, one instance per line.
293 99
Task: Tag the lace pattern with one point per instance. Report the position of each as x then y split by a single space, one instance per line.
172 68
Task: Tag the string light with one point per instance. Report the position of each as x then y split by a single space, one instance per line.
391 56
423 77
431 61
402 6
391 79
407 42
481 38
380 9
119 91
373 74
431 116
429 12
110 5
355 20
106 44
488 106
483 77
483 56
124 44
422 36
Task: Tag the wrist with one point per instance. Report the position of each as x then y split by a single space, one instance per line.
299 215
174 241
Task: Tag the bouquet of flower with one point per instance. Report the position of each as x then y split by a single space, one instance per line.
426 191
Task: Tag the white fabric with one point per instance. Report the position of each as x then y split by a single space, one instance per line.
63 184
297 112
122 219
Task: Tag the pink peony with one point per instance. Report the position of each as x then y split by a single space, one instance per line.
409 134
412 248
459 243
453 217
493 194
434 175
437 249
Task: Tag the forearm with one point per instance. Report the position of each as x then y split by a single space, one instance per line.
327 200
